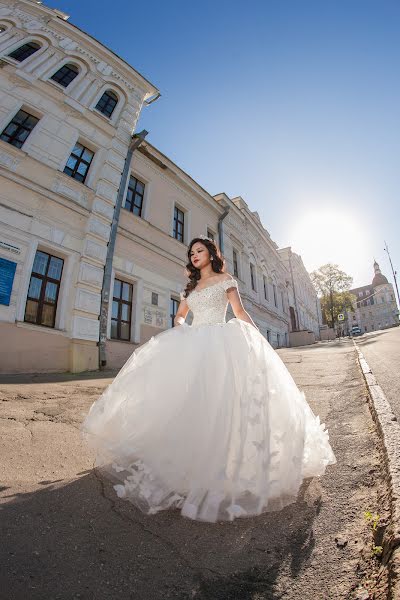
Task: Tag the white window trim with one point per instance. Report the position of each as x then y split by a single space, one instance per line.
44 45
186 225
137 295
147 195
122 101
83 71
92 175
70 260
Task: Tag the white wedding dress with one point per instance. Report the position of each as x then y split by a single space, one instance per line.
206 418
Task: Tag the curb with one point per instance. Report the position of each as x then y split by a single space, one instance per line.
389 430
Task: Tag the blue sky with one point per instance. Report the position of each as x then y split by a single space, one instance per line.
294 105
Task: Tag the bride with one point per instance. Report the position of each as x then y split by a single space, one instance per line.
205 417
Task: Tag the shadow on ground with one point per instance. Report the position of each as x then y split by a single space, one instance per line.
28 378
77 540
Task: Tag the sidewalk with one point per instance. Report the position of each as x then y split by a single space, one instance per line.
66 535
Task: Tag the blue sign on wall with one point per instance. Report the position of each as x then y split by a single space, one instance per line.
7 273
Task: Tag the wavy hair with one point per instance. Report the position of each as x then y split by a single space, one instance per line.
217 264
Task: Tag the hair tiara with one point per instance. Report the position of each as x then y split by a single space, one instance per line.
204 237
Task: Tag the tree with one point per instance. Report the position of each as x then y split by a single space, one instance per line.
332 286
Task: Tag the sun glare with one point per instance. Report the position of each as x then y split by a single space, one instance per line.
327 236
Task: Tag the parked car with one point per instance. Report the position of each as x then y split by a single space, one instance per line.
355 330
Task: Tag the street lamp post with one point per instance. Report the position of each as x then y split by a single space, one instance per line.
393 271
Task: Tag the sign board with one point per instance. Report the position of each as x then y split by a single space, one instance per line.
340 317
7 272
10 247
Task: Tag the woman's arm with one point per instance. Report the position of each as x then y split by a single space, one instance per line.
238 308
181 313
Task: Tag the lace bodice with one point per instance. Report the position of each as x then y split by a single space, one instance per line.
209 304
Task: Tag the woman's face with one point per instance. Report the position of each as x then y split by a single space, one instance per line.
199 255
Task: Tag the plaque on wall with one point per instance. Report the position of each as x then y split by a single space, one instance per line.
7 273
148 316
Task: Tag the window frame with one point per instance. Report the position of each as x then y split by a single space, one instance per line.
78 162
45 279
108 91
135 193
19 128
275 296
176 222
173 302
25 44
235 263
121 302
66 65
253 277
265 285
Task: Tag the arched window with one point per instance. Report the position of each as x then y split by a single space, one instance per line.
2 29
65 75
107 103
23 52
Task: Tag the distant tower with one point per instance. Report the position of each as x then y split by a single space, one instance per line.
378 279
375 306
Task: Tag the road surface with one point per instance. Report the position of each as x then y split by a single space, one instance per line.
65 534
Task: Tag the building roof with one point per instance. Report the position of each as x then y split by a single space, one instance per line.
378 279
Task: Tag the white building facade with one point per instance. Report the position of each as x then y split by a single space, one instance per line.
306 314
375 305
68 108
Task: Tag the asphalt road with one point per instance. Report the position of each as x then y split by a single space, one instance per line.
65 535
382 352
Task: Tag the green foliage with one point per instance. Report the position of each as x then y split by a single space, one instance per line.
333 286
377 550
373 519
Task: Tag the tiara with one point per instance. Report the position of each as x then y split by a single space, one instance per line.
204 237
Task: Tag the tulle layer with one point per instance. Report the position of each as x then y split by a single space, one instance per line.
207 419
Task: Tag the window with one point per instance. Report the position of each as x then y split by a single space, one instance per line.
283 302
252 277
107 103
210 234
134 196
2 29
278 340
44 287
121 310
268 335
275 298
173 310
286 339
154 298
179 224
18 130
24 51
265 283
65 75
78 163
235 264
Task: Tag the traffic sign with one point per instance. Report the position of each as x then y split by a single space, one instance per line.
340 317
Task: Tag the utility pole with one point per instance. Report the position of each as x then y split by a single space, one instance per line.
394 272
136 141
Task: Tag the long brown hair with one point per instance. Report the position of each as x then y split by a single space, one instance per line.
217 263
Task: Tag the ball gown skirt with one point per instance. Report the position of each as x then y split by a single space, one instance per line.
207 419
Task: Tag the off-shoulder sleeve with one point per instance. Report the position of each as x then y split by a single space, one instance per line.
229 283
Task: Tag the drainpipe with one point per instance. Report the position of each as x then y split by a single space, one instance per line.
136 140
220 232
294 290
